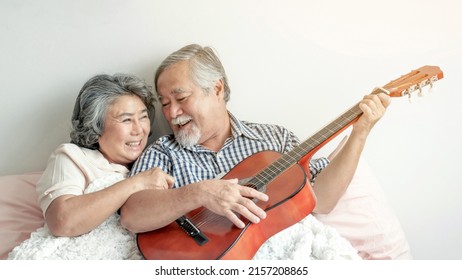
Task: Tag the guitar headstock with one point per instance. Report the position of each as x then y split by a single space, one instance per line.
413 81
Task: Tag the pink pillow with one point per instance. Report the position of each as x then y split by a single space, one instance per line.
20 213
364 217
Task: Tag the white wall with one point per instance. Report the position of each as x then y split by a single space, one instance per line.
297 63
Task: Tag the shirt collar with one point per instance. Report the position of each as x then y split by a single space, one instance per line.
238 128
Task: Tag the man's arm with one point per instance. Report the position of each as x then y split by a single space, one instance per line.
153 209
333 181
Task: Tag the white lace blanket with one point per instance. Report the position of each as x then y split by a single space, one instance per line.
308 239
108 241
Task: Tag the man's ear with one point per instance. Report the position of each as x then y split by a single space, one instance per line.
219 88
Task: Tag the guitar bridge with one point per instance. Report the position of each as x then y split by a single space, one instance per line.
192 231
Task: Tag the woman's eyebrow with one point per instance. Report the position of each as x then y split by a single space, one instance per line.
127 114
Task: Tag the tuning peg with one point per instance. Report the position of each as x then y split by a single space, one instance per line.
430 82
409 97
420 93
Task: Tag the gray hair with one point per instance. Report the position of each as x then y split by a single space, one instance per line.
205 67
94 99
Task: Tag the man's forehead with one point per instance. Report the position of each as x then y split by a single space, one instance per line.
175 91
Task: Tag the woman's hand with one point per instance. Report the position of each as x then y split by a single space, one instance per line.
154 178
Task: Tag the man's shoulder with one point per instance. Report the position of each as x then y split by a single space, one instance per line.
164 142
165 139
265 126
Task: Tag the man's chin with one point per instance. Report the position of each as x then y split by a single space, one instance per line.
186 140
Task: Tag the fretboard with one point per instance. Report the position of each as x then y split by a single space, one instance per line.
292 157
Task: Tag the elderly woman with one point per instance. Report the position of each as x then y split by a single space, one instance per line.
85 182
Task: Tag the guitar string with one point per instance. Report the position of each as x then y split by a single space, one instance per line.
199 220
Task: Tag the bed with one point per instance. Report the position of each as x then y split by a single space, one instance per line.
362 226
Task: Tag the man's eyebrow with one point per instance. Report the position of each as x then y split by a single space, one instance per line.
180 90
176 91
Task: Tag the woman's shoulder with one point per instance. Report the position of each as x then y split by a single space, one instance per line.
73 150
68 147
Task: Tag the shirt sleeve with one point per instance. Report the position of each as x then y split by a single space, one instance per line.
316 166
62 176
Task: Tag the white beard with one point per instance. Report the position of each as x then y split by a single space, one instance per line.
188 138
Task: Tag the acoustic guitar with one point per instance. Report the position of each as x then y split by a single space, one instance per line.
203 235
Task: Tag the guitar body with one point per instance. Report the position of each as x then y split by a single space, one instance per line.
291 199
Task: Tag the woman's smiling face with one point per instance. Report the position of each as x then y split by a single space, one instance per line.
126 130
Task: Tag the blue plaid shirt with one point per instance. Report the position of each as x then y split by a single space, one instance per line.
192 164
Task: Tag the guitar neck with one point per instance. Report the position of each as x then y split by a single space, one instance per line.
402 86
324 135
309 145
313 143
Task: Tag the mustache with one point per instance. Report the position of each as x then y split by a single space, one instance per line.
181 120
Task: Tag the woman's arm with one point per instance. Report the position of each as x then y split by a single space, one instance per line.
68 210
73 215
